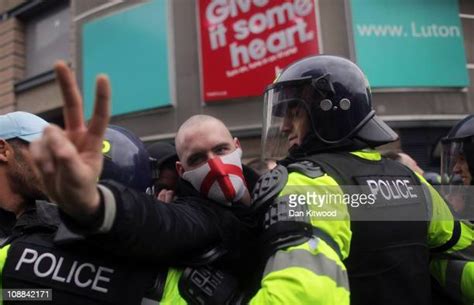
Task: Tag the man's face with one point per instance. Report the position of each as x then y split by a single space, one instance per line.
168 178
23 175
204 142
296 125
461 168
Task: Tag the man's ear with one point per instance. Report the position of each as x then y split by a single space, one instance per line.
4 150
179 168
237 143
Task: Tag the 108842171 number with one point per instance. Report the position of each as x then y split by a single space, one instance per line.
12 294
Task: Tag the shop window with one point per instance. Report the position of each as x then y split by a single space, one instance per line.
47 38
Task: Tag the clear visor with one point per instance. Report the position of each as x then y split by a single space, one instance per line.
456 179
286 120
453 163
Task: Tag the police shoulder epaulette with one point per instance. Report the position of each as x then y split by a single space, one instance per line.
307 168
269 185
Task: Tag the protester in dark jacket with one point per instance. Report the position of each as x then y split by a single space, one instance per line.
117 218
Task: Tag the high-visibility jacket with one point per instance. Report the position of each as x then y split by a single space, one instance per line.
171 295
317 271
201 288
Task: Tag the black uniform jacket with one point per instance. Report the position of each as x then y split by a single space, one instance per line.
149 229
77 274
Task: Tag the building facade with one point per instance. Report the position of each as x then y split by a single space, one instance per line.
35 33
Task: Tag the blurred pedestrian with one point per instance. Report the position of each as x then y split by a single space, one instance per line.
165 177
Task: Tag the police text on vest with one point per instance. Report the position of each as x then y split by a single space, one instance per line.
81 274
392 189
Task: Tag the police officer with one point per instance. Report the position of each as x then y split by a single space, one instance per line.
319 112
76 272
125 159
457 164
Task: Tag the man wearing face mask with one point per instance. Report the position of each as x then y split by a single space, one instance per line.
211 160
210 167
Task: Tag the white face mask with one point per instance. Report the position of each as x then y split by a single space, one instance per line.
220 179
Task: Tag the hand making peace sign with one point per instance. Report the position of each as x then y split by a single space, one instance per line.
70 160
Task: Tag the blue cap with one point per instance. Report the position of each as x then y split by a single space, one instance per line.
23 125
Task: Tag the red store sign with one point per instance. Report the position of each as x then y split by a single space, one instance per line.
245 43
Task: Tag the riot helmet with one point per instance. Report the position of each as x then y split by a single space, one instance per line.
457 158
457 166
126 159
330 98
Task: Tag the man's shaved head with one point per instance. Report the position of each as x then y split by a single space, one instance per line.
202 135
199 140
191 124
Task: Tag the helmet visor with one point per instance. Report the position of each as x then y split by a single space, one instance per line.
453 164
286 120
456 178
333 117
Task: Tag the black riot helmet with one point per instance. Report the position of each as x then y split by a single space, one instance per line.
457 152
126 159
335 96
